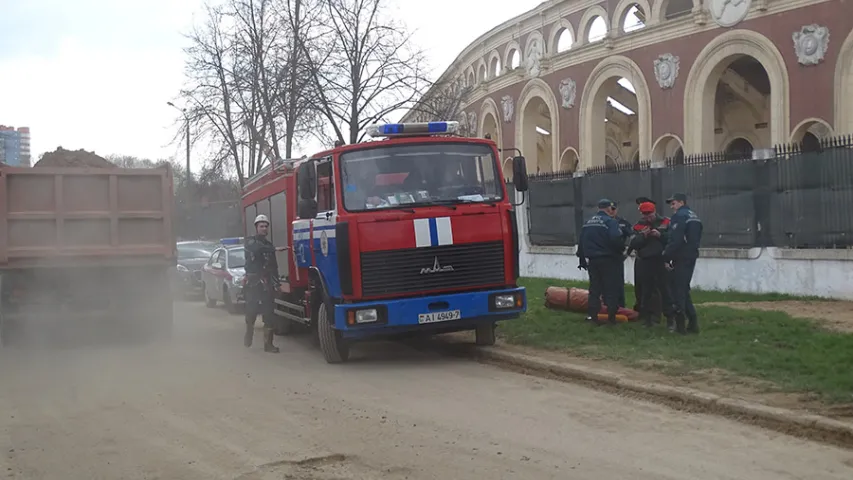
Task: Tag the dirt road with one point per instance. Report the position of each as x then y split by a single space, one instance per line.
206 408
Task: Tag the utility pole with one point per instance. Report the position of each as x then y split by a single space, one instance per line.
187 121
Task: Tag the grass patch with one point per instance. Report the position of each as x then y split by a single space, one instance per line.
537 286
792 353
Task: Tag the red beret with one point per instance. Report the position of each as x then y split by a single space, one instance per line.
647 207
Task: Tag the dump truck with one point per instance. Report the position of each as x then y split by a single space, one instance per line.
87 245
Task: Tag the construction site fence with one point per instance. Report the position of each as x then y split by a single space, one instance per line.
788 196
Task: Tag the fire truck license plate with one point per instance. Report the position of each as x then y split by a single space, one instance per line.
439 316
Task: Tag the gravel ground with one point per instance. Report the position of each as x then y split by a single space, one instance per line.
204 407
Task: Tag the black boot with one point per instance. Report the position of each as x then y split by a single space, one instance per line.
268 336
648 320
250 333
679 324
693 325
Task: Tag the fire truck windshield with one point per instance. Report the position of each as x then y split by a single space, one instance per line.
419 175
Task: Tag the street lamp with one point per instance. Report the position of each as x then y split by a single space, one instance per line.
187 121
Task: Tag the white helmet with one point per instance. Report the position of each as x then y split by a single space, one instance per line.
262 218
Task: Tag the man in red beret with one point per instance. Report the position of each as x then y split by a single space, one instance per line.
649 240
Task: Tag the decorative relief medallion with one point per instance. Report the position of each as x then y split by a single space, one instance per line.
811 44
568 92
728 13
666 70
507 107
533 58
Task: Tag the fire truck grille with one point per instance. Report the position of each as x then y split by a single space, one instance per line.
432 268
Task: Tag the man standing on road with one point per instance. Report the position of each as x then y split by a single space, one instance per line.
649 240
680 254
600 250
262 283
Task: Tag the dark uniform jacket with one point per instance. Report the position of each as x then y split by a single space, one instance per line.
648 246
685 234
600 237
261 264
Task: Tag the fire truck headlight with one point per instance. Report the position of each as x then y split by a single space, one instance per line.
505 301
369 315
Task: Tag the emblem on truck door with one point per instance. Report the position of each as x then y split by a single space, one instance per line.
436 268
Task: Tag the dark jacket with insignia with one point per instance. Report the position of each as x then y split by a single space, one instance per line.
261 264
685 235
600 237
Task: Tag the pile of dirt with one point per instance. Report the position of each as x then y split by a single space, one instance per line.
71 158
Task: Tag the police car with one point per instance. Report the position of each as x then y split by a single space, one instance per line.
224 274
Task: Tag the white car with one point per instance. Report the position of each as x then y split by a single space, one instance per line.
223 277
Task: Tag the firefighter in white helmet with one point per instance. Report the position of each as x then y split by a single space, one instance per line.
262 283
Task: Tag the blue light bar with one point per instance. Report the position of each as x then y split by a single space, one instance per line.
437 127
411 129
231 241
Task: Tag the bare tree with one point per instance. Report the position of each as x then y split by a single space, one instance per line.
443 101
304 20
365 69
209 93
263 74
249 87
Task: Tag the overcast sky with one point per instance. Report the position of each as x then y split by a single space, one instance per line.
96 74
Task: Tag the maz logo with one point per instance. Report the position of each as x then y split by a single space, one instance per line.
436 268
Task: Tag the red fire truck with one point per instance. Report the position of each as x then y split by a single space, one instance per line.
412 233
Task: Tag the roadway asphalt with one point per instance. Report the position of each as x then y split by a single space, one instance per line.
204 407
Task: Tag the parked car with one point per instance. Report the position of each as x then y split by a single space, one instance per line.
223 277
192 256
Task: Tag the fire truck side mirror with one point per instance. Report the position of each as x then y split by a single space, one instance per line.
519 173
307 175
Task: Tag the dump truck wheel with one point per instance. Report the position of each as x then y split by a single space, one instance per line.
485 334
160 325
335 349
4 332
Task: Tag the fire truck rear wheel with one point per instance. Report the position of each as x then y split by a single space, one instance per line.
485 334
335 349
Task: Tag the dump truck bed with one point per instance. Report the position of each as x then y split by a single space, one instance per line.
67 217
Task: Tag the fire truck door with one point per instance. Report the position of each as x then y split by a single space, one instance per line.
278 230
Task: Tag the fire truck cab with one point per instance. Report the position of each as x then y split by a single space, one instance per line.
410 234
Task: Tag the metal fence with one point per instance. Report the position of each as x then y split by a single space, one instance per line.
793 198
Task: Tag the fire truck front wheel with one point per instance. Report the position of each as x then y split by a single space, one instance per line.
485 334
335 349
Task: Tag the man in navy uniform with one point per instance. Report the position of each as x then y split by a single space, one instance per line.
680 254
600 251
